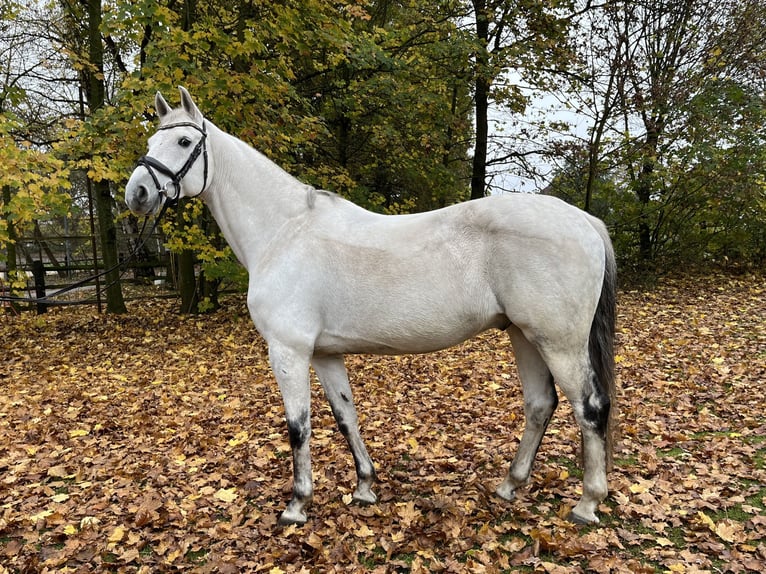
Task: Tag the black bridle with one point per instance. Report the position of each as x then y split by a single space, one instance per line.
151 164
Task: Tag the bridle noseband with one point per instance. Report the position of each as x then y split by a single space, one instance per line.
151 164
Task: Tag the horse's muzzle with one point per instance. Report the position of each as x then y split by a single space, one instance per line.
140 198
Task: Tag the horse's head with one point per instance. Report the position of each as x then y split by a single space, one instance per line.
176 163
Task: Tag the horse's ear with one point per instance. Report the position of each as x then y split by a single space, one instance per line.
161 105
189 106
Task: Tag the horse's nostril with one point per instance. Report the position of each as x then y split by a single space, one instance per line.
142 194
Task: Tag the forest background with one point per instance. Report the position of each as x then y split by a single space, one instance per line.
400 106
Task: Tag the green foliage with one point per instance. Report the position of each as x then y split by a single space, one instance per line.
708 201
37 182
217 262
396 109
675 149
373 99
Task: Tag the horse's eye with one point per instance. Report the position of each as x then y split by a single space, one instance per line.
184 142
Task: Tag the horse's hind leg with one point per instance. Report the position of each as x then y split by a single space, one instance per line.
540 400
573 373
334 378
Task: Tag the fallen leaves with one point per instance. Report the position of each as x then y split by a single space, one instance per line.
156 443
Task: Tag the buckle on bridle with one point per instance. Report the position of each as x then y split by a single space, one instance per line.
171 201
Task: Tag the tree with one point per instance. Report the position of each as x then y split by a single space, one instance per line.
396 107
33 182
83 40
672 91
320 105
527 38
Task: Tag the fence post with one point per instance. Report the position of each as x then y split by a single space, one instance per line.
38 272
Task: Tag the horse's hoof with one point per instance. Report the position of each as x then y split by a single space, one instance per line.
580 520
365 498
507 495
287 519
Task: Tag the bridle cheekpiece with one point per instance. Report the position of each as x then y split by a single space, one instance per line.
151 164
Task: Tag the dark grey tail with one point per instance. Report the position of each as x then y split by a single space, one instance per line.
601 344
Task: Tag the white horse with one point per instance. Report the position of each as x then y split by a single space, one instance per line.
329 278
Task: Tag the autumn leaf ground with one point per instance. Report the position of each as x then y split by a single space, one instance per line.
156 443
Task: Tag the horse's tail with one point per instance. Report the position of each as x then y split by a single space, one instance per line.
601 343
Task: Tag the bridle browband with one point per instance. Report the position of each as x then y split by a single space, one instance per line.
151 164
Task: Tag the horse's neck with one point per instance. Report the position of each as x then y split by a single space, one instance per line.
250 197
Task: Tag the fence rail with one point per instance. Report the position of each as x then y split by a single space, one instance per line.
41 292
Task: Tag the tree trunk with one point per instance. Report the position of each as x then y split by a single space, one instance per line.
187 281
95 94
10 262
185 261
644 187
43 244
187 284
479 167
209 287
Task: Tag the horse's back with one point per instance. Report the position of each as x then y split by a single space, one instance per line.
350 281
416 283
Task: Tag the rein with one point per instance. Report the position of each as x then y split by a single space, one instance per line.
151 164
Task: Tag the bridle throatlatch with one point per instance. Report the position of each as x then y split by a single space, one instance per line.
151 164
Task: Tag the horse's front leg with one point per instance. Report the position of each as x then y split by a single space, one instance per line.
291 369
334 378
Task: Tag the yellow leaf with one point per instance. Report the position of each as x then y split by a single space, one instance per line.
226 494
60 498
728 530
70 529
240 438
364 531
276 570
57 471
413 445
407 512
639 488
78 432
40 516
677 567
89 522
563 475
117 534
706 520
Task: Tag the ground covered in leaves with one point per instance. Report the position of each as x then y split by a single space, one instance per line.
156 443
